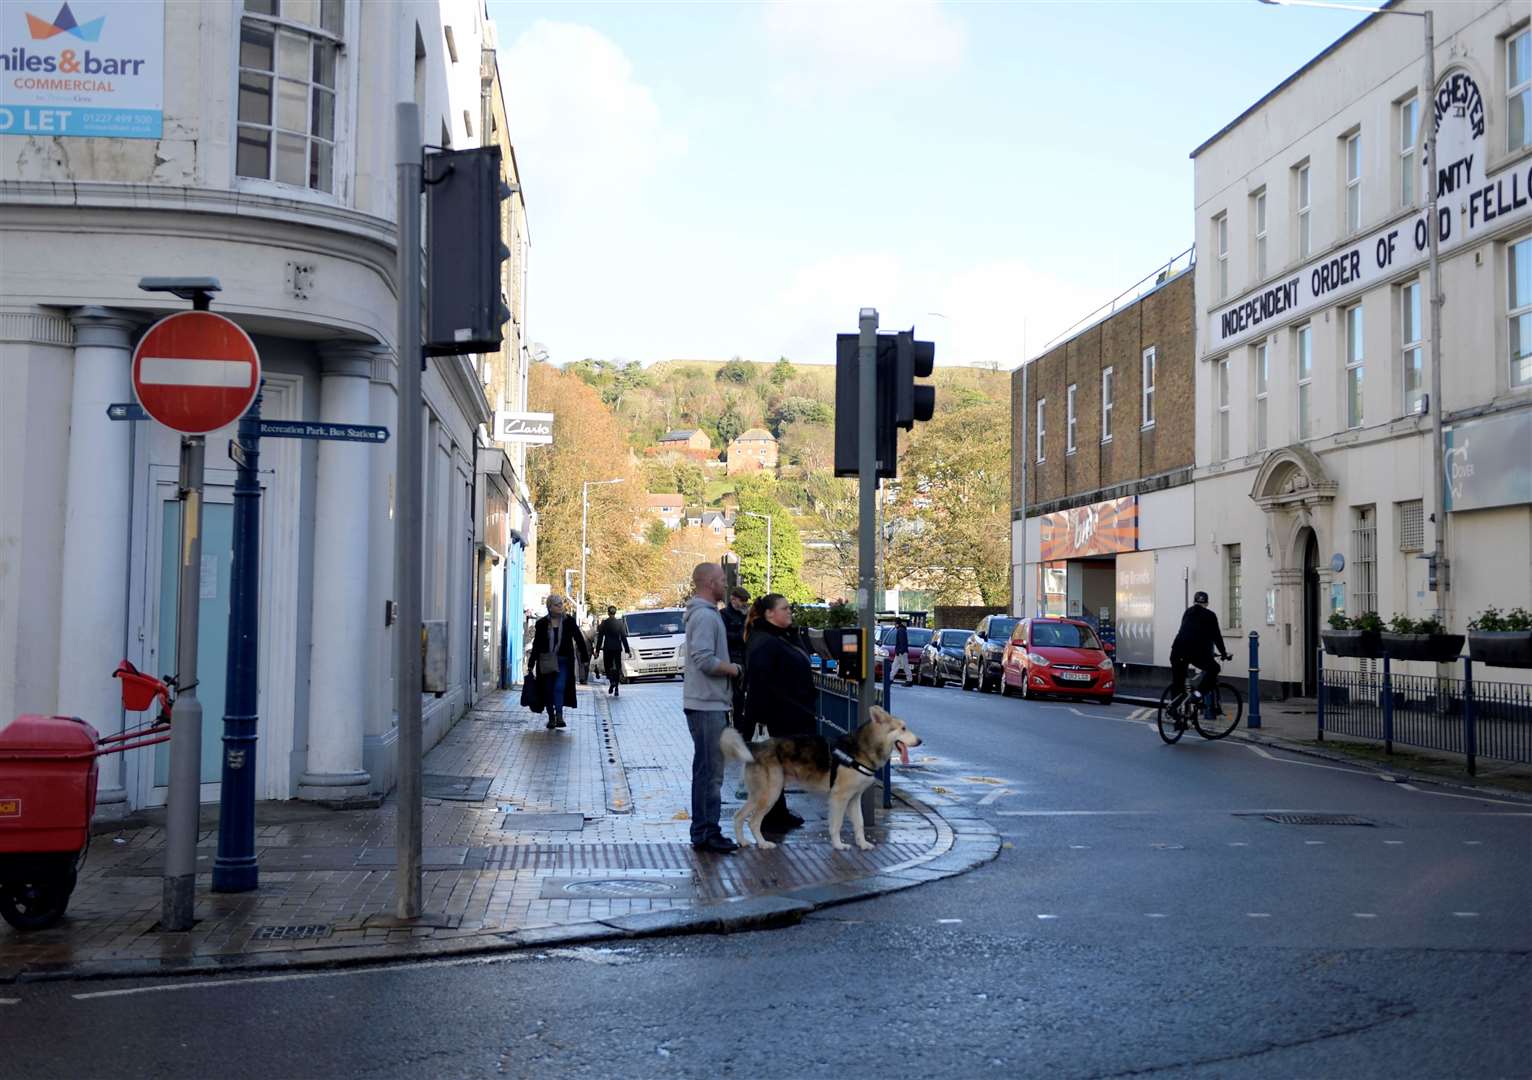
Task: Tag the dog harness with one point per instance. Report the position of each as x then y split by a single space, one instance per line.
839 757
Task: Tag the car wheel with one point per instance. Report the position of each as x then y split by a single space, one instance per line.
1107 700
937 681
964 677
1005 687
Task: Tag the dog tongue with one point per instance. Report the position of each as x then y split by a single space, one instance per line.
904 754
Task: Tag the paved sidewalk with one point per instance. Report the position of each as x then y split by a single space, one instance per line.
533 837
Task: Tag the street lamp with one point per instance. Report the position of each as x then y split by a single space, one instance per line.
584 524
766 518
1433 224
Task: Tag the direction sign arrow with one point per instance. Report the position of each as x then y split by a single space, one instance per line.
305 429
126 410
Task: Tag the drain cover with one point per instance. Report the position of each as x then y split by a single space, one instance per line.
455 788
1318 819
290 933
627 888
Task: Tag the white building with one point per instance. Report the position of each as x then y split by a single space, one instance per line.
254 143
1314 450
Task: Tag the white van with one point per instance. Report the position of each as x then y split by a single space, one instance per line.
658 640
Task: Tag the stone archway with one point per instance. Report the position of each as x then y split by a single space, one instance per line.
1296 493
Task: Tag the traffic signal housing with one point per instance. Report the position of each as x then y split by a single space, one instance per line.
901 402
465 304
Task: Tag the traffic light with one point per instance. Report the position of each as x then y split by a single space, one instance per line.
465 305
901 401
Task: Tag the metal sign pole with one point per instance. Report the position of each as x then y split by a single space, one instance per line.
235 868
178 897
409 541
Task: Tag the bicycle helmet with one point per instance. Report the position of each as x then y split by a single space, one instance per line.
1200 598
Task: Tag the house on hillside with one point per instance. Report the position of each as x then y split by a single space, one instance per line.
752 451
691 443
668 506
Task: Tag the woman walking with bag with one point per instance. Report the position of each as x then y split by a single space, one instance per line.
779 685
551 672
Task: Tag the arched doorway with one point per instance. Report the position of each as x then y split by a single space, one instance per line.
1309 544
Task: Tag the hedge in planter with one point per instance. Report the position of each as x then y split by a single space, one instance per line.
1424 640
1502 640
1357 637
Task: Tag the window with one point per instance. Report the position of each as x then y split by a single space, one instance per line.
288 52
1301 201
1221 418
1364 560
1233 574
1148 387
1411 525
1353 183
1353 324
1221 246
1304 343
1409 118
1519 305
1259 217
1262 383
1041 429
1411 355
1518 91
1106 405
1069 420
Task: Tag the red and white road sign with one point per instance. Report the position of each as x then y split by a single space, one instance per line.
195 372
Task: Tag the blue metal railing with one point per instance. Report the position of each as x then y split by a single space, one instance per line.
838 710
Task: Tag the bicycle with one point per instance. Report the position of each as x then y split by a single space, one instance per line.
1176 713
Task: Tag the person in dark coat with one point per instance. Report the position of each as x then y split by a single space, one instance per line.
555 635
734 613
611 643
779 685
1197 641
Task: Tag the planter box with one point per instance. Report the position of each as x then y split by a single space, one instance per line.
1429 648
1502 648
1364 644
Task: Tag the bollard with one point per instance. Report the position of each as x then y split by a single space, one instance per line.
1319 693
1470 731
1254 718
1388 706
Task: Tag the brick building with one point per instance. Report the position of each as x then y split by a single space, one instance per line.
669 507
752 451
1103 445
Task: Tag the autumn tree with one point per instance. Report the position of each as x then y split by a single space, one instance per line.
588 444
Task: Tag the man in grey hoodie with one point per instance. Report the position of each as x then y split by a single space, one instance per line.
706 697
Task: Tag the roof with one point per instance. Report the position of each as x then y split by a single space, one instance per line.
756 433
1285 83
678 436
673 498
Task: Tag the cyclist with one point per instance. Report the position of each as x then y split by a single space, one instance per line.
1197 642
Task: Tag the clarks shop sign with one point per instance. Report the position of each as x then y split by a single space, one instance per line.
1482 204
524 427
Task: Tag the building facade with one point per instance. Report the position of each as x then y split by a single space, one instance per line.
669 507
1315 452
1102 452
260 152
753 451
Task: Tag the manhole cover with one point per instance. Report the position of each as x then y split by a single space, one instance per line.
626 888
455 788
1319 819
290 933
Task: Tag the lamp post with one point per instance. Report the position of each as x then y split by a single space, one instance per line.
766 518
584 525
1433 272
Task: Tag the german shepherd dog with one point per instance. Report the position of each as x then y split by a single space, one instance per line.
808 759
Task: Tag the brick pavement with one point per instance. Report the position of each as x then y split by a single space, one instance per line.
582 834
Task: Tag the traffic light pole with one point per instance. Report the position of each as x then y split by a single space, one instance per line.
408 543
867 480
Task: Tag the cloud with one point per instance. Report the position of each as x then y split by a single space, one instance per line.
851 46
994 312
586 130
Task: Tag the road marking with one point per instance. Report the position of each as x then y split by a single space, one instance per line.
1466 914
1239 843
1394 843
1470 798
1260 752
1047 916
1364 915
1257 914
1079 847
10 1001
1073 813
947 921
1155 915
1129 719
1313 843
1474 843
304 976
998 793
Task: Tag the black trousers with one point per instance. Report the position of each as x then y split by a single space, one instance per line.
1179 663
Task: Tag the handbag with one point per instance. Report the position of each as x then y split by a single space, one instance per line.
761 734
547 664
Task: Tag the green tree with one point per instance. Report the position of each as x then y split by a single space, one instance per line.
735 371
729 425
691 481
623 380
660 478
797 410
657 533
782 372
757 495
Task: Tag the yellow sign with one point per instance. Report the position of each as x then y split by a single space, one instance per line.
10 807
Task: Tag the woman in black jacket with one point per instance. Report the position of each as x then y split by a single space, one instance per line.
779 685
556 636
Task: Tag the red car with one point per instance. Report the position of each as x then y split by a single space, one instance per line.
918 635
1057 656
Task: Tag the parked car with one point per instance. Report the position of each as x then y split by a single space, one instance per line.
658 640
983 652
918 636
942 658
1057 656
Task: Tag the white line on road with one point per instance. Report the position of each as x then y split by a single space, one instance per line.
10 1001
998 793
1364 915
1394 843
1470 798
949 920
1258 914
1047 916
1260 752
1239 843
1079 847
1474 843
1314 843
1074 813
1466 914
1155 915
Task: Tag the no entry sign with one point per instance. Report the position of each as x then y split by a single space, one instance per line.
195 372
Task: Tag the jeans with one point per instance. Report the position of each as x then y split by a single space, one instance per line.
1210 670
561 680
706 727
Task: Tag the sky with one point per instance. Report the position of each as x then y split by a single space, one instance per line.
707 180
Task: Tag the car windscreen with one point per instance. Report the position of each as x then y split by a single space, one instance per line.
654 623
1064 636
1000 629
955 639
918 638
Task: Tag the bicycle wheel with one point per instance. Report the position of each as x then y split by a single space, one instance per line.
1167 721
1228 710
